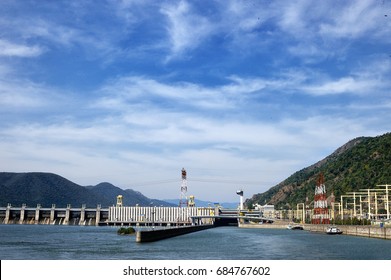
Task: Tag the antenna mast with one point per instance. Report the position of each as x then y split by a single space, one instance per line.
321 212
183 200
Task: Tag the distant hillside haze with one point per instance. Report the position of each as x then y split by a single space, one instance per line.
362 163
34 188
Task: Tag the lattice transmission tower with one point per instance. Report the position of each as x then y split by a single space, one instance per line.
183 202
321 211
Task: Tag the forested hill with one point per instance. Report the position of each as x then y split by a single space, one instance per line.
46 189
361 163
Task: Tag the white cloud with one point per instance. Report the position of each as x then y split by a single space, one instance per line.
19 94
330 29
341 86
19 50
368 79
354 20
186 29
140 90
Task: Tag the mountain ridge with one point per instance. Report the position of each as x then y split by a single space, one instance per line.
362 162
43 188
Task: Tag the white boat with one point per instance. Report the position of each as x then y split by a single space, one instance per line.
299 227
333 230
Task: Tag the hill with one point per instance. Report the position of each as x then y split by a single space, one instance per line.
129 196
46 189
362 163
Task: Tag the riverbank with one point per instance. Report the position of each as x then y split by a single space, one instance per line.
276 225
354 230
364 231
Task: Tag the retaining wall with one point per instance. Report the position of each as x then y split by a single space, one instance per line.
155 235
365 231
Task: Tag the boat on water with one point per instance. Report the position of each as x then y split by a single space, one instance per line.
333 230
295 227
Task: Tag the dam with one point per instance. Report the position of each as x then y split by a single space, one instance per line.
53 215
139 216
111 216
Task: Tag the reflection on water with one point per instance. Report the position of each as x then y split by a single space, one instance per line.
78 242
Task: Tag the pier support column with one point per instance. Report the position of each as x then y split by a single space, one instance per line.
97 218
67 215
7 214
22 211
37 212
53 214
82 215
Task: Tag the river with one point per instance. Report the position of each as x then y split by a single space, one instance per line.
48 242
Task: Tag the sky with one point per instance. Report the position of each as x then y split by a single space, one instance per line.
240 93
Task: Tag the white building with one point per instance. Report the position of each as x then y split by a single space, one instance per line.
266 210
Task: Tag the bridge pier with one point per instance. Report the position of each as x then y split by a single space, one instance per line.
22 214
82 215
53 214
37 212
67 215
97 218
7 214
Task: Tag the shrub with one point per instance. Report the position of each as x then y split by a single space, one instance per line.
126 231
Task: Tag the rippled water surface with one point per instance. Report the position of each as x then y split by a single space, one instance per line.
46 242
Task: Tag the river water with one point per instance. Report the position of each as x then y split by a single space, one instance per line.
48 242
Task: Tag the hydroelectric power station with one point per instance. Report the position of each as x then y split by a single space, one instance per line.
119 215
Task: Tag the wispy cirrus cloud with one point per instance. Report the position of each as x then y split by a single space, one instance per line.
143 90
355 20
186 29
345 85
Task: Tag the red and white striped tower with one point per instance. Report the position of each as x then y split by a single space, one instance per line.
183 202
321 212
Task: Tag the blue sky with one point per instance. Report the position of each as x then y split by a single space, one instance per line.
240 93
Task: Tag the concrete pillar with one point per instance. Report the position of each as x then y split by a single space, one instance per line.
37 213
97 220
7 214
67 215
82 215
240 193
53 214
22 211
